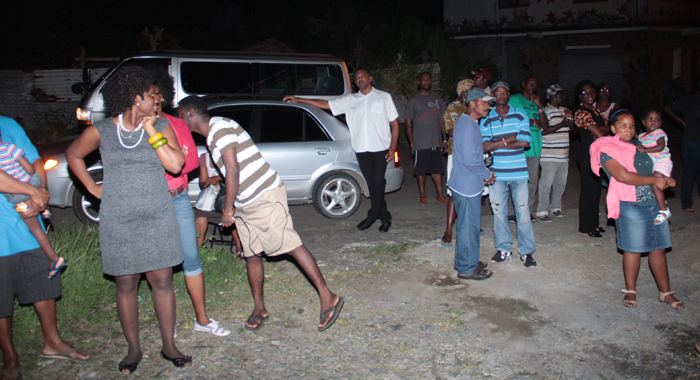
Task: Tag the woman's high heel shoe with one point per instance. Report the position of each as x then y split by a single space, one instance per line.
184 361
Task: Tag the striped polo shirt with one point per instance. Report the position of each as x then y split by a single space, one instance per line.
508 164
555 146
9 161
255 174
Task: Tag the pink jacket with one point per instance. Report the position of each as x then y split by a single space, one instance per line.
184 138
622 152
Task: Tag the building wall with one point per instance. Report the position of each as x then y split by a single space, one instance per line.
646 56
486 15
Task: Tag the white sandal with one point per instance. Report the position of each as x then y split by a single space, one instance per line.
662 216
662 298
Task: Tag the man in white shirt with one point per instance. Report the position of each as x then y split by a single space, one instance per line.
374 131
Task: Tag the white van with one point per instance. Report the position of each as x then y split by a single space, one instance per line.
233 75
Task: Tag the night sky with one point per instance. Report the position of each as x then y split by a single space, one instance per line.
49 34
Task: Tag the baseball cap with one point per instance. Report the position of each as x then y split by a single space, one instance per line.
484 71
465 85
477 93
498 84
553 89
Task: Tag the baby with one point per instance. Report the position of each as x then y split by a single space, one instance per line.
655 143
13 162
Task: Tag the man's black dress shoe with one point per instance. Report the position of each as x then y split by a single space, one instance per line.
365 224
594 234
600 230
385 226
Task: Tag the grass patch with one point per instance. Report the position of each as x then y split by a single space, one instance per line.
87 313
396 249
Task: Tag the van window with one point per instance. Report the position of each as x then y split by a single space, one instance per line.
282 79
202 78
289 125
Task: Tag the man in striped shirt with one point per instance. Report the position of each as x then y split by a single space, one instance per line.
555 155
260 199
506 133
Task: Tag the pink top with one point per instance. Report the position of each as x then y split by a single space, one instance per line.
622 152
184 138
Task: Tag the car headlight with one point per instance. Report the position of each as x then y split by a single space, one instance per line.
83 115
50 164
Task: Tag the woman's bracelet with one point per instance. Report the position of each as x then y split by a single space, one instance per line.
160 143
155 138
228 214
504 142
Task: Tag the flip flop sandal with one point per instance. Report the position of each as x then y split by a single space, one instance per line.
629 303
65 355
423 201
333 309
251 321
56 269
445 244
690 211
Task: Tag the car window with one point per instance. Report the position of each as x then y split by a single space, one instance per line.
282 79
241 115
202 78
289 125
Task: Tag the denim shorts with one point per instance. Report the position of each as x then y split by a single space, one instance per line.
636 231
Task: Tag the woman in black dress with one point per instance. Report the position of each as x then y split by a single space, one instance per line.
590 125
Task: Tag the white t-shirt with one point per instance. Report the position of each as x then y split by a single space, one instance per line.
368 117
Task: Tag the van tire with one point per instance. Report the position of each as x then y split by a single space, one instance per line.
85 206
337 196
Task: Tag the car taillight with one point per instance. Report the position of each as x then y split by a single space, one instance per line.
83 115
396 159
50 164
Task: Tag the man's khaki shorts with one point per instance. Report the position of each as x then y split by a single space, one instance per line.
265 226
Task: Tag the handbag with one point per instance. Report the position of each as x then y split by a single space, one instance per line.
207 198
220 199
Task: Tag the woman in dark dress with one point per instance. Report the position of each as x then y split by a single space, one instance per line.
590 125
138 230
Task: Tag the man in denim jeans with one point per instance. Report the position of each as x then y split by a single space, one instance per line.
506 133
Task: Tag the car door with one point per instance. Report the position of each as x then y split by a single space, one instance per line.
295 145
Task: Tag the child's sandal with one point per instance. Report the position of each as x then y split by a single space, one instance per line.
629 303
662 298
662 216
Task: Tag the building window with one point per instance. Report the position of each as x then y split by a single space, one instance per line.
513 3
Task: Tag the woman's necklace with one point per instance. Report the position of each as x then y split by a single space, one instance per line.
120 127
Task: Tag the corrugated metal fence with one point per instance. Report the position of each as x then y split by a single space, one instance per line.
29 97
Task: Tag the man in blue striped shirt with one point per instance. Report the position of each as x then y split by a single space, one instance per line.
506 133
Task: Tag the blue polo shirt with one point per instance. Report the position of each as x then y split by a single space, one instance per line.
508 164
14 234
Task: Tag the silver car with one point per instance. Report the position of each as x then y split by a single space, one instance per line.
307 146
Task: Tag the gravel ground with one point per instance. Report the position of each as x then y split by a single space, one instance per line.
409 317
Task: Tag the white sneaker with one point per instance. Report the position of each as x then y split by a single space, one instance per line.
212 328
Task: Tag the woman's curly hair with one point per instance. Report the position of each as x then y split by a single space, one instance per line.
165 84
122 87
579 88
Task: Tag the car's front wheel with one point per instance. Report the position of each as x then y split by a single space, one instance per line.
337 196
85 206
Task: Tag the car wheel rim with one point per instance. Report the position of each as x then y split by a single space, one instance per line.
91 211
339 196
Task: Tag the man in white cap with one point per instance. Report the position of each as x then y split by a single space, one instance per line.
468 177
555 155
